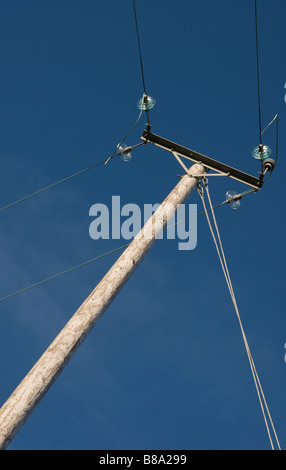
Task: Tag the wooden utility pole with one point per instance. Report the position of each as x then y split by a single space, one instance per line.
37 382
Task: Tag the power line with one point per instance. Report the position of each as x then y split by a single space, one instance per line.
270 123
19 406
277 137
105 254
114 154
258 73
63 272
51 185
139 48
277 142
145 97
126 135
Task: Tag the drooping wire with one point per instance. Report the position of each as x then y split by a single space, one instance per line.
277 142
125 137
63 272
106 254
51 185
270 123
114 154
277 138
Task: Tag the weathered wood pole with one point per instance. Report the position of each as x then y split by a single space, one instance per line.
37 382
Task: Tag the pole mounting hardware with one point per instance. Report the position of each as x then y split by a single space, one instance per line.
207 162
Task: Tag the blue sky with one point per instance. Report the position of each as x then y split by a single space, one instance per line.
165 368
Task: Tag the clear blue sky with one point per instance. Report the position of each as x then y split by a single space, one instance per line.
165 368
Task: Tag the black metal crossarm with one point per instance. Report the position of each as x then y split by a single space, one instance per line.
208 162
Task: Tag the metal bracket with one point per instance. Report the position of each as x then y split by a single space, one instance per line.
182 163
190 174
221 168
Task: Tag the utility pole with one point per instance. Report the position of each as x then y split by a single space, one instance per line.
37 382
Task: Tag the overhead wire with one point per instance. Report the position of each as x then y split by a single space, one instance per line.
114 154
270 123
105 161
261 132
277 137
222 258
140 58
139 47
13 294
63 272
277 142
258 79
125 137
211 209
258 72
51 185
